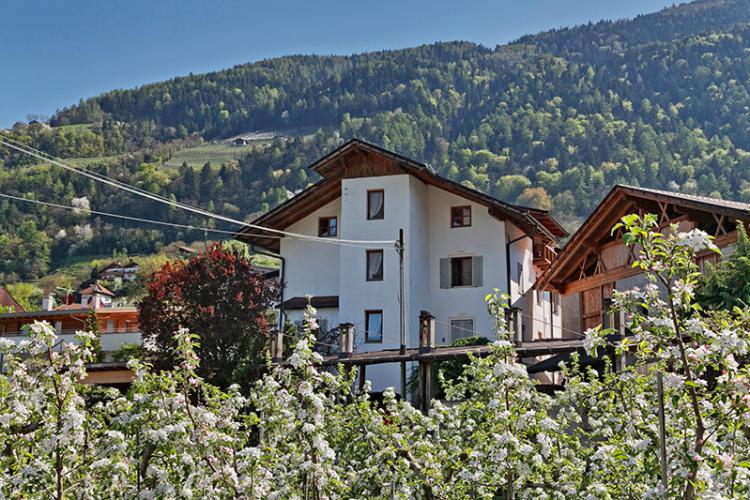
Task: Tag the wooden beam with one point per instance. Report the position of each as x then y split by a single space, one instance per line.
719 224
663 216
615 274
105 377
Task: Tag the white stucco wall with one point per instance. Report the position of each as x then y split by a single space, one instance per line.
312 267
486 238
423 212
360 295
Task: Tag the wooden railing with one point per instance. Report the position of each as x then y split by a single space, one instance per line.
544 255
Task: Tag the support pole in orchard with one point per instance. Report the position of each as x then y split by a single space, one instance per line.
662 430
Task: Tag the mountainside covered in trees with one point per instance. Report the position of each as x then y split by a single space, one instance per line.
552 120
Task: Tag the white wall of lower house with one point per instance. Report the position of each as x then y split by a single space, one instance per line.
311 267
328 318
110 342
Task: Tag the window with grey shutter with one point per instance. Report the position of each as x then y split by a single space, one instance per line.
476 271
445 273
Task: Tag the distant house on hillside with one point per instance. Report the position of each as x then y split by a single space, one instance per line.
239 141
126 272
460 244
595 262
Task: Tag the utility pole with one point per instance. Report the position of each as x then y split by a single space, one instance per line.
402 299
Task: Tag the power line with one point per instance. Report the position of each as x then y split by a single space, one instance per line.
158 198
118 216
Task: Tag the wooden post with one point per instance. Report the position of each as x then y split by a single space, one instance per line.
362 377
346 340
277 346
426 345
426 332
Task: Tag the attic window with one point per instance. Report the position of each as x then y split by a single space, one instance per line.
375 204
327 227
461 216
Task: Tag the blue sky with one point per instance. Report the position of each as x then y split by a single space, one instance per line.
55 52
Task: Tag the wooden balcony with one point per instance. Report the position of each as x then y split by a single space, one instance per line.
544 255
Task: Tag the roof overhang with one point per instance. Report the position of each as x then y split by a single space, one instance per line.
621 201
357 158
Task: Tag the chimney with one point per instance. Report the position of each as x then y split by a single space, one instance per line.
48 302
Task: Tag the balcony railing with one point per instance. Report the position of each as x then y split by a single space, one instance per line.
111 340
544 255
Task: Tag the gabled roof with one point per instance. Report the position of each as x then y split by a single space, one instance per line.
357 158
623 200
111 265
7 300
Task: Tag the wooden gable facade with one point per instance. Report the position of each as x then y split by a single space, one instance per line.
595 261
358 158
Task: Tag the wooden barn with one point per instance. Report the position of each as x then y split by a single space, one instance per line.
594 262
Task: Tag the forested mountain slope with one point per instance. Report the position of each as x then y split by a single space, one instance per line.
552 120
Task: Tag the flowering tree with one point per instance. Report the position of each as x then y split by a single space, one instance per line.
699 446
304 433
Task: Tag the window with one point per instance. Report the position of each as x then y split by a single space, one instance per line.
460 272
373 326
375 204
374 265
555 302
327 227
461 329
461 216
110 325
519 270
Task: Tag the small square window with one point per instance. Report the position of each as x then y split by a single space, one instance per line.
461 271
461 329
374 265
373 326
461 216
327 227
375 204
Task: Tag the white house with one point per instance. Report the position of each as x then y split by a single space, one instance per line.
460 244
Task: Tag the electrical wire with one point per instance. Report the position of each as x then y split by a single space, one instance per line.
11 143
124 217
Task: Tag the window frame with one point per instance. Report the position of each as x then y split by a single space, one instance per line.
328 221
462 259
368 313
382 209
473 327
463 216
367 265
